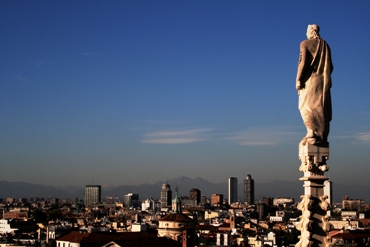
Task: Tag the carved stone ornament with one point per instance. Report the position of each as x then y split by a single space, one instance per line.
313 219
313 159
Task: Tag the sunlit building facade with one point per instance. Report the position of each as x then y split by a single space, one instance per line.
92 194
166 196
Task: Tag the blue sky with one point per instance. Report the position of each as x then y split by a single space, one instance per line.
131 92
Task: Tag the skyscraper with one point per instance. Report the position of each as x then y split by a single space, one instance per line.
92 194
249 189
166 196
131 200
233 190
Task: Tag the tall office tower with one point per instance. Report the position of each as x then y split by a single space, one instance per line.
195 195
249 189
233 190
131 200
92 194
166 196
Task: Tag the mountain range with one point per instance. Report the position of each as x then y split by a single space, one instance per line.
276 188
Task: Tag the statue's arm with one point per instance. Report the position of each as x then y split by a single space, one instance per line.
301 65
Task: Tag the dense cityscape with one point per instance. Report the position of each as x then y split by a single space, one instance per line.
173 219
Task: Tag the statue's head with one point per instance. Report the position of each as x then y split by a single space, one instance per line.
313 31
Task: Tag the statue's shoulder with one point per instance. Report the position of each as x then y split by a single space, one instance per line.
309 44
303 44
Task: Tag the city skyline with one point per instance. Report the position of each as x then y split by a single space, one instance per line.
133 92
277 188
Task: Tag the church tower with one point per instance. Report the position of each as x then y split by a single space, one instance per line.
176 203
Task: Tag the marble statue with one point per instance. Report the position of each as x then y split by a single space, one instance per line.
313 84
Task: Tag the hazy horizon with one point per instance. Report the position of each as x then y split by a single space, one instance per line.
277 188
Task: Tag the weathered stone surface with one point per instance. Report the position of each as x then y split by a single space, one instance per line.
313 158
313 83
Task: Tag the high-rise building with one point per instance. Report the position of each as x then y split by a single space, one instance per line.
166 196
131 200
195 195
92 194
233 190
249 189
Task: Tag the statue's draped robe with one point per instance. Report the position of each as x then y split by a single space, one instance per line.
314 98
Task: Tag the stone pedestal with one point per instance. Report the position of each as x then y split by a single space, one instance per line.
313 224
313 159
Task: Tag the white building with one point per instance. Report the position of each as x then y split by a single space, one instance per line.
139 227
150 205
5 227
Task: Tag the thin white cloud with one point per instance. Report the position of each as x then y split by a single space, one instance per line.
176 137
359 138
268 136
363 137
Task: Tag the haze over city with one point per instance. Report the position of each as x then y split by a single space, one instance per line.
132 92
